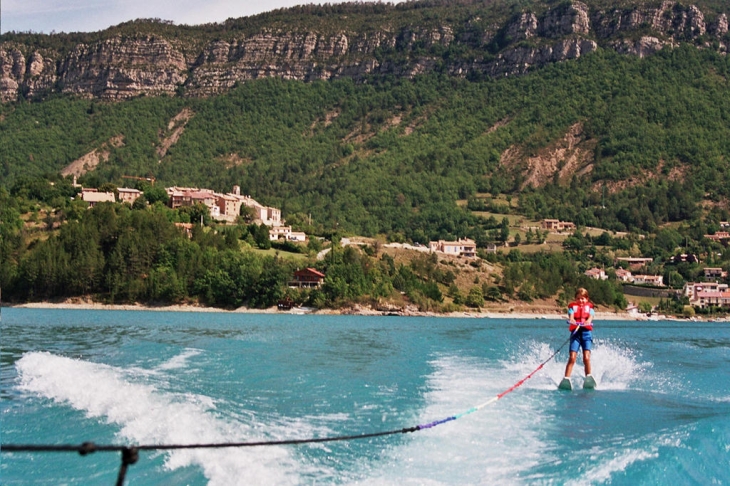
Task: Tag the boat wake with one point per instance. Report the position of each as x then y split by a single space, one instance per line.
146 415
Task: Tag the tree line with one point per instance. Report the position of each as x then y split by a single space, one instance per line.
121 254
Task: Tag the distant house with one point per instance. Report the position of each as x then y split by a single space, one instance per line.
298 236
596 273
461 247
557 225
624 275
206 197
285 233
190 196
714 272
684 258
307 278
223 207
94 197
491 248
265 214
632 308
719 236
261 214
128 195
230 206
692 289
277 232
710 298
725 225
635 262
656 280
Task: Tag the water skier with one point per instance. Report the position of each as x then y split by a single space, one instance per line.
580 322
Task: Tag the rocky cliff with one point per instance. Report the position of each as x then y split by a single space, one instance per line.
120 66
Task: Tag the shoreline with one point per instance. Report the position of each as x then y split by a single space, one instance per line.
355 310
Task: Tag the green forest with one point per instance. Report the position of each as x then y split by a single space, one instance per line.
122 254
387 157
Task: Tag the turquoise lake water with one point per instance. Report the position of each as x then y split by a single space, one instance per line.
660 415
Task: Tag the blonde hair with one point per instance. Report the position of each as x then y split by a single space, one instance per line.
581 292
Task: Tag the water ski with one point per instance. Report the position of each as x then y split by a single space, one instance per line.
589 383
565 385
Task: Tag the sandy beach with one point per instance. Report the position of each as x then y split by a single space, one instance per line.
354 310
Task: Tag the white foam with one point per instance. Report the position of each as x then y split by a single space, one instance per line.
498 442
602 464
148 416
613 366
602 472
507 439
179 361
502 442
616 367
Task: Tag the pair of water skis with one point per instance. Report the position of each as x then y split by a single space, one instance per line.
589 384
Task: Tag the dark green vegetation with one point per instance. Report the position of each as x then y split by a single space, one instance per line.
120 254
393 156
384 157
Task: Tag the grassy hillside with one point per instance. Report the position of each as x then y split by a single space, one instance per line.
395 155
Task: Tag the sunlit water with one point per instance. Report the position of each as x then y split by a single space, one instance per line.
661 412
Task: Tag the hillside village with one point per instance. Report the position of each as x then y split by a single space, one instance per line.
226 209
223 208
601 128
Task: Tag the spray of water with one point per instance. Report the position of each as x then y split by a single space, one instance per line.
500 444
145 415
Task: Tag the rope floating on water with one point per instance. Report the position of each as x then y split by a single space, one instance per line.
130 454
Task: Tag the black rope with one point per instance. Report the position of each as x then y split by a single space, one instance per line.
90 447
130 455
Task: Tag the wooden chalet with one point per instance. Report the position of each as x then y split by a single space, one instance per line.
307 278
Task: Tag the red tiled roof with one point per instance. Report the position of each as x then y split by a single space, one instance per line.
310 270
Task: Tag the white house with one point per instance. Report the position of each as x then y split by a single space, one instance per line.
691 289
299 236
278 232
128 195
94 197
656 280
596 273
462 246
624 275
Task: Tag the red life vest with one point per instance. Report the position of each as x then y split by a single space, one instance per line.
580 314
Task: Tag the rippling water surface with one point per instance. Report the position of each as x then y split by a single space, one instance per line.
661 412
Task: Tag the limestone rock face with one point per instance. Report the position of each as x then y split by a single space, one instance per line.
41 75
120 67
721 26
670 19
519 60
643 47
572 19
12 68
524 27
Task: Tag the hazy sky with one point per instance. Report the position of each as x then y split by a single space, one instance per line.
92 15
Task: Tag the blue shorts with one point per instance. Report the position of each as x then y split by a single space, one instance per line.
581 339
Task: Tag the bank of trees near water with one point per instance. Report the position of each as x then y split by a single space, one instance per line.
118 254
388 157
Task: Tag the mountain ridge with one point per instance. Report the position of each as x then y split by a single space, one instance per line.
469 39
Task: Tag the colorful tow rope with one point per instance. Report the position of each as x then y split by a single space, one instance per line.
494 399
